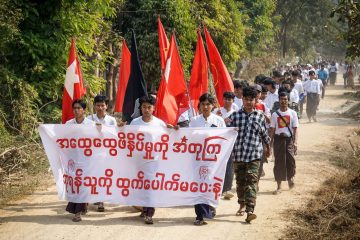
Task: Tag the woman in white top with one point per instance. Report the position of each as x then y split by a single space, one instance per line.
78 107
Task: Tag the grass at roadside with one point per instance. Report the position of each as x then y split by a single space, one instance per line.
23 169
334 212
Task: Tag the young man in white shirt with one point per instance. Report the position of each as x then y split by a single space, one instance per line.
312 89
283 134
205 119
79 108
147 107
238 91
101 117
225 112
272 96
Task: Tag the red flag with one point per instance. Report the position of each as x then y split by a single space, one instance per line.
124 74
199 73
163 44
74 87
222 79
172 100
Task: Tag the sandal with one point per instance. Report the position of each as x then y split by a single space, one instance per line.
277 191
76 219
199 222
240 212
291 184
250 217
101 207
148 220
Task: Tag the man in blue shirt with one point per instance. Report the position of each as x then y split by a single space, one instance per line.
323 76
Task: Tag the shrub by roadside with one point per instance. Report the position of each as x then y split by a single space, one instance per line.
334 212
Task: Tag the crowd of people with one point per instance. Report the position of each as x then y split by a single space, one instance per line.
266 115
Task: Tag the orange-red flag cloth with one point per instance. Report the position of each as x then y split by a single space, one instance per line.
199 74
74 84
163 44
172 99
222 79
124 74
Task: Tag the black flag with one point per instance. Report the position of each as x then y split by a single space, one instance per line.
136 87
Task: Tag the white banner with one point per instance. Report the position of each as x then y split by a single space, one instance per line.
138 165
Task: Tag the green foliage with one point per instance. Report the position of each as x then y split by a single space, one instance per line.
306 25
141 16
348 12
260 25
225 23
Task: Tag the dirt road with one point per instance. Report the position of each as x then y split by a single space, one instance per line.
42 215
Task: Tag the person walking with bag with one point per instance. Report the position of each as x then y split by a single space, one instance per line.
283 134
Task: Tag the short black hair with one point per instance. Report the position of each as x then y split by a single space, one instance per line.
250 92
80 102
287 82
259 79
277 74
147 99
269 81
295 73
237 84
207 96
263 88
311 72
100 99
229 95
283 94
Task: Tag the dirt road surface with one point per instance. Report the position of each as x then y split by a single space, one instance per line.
42 216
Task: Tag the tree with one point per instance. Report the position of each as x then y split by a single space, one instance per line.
348 12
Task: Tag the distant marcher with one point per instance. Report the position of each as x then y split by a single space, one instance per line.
332 73
312 91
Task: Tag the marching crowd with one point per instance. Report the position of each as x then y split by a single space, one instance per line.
266 115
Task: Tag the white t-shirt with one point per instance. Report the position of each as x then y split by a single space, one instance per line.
332 69
212 121
299 86
294 96
224 112
154 122
280 127
107 120
271 98
238 104
312 86
85 122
